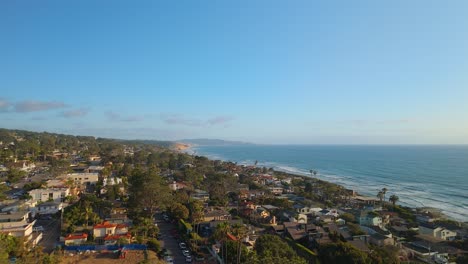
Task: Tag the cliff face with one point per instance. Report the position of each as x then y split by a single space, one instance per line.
180 146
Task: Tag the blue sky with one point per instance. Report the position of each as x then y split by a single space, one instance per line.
313 72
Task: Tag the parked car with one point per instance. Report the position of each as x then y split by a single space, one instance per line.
169 260
38 228
182 245
186 253
188 259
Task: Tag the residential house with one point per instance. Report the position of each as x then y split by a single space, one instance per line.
343 231
340 221
109 233
177 186
49 194
437 232
256 193
307 210
49 208
214 214
111 181
200 195
18 224
370 218
16 205
297 231
95 169
276 190
27 166
381 240
243 194
84 178
76 239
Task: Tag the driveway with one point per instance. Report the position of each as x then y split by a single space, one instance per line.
168 241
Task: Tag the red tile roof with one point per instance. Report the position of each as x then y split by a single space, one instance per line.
231 237
105 224
76 236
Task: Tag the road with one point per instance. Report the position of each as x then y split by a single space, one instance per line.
168 241
50 234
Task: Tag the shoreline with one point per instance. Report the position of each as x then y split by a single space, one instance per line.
190 151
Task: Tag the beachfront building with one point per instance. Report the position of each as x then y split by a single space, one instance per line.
49 194
437 232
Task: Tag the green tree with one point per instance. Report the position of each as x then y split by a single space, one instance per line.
8 246
15 175
384 255
342 252
179 211
393 198
272 249
380 195
148 191
384 191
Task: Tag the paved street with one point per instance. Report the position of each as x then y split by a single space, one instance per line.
168 241
50 234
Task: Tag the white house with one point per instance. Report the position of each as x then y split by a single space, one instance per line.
308 210
112 181
370 219
17 224
110 233
49 194
49 207
437 232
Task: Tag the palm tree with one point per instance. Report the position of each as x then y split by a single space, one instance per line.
380 195
384 191
240 232
221 234
393 198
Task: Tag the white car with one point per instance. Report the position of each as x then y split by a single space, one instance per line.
182 245
169 259
186 252
38 228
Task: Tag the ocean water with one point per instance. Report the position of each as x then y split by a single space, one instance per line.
433 176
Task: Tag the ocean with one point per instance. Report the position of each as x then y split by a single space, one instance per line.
432 176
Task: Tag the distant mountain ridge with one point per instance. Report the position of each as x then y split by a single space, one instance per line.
212 142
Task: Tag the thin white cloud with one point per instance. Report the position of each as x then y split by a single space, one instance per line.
220 120
178 119
36 106
4 105
113 116
75 113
